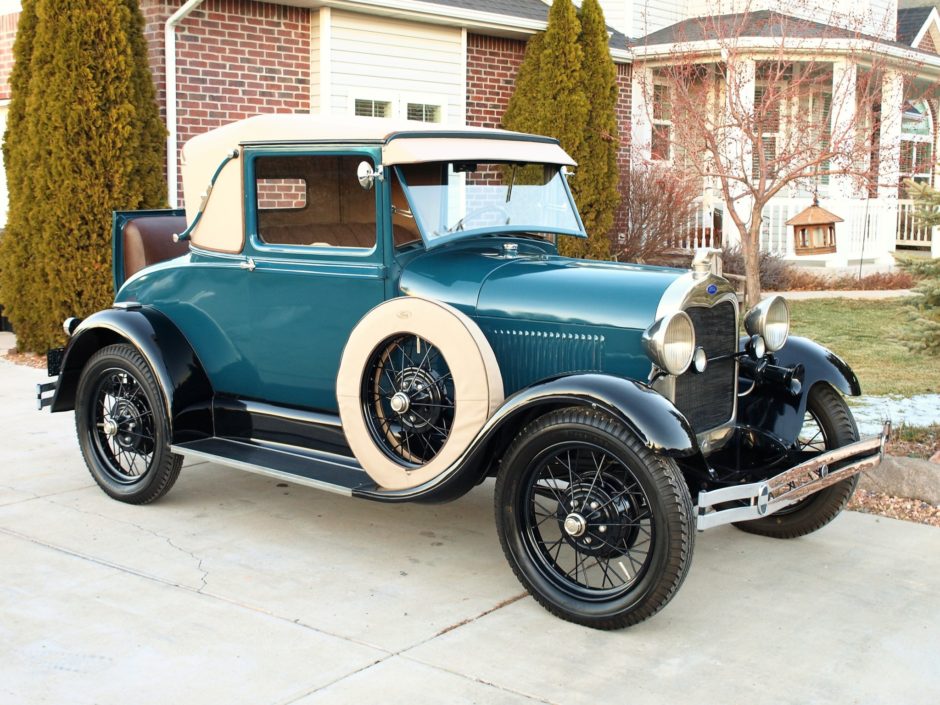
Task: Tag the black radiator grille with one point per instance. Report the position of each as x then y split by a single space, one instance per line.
707 399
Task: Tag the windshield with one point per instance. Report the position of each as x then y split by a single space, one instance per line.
460 197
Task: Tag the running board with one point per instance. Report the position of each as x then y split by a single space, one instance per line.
301 466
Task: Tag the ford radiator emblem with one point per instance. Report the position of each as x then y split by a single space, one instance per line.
712 289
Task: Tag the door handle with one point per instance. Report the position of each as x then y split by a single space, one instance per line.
248 264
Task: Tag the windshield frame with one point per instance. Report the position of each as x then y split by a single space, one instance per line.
437 240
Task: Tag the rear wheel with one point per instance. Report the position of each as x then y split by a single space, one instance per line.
121 421
827 424
597 527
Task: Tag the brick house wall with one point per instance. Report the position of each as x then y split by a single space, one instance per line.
235 59
492 65
7 35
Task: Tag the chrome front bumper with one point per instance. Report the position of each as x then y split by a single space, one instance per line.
771 495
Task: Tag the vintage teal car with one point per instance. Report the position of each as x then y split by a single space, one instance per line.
382 313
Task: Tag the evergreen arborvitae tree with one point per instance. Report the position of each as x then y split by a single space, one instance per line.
151 168
597 193
89 142
549 96
21 285
524 112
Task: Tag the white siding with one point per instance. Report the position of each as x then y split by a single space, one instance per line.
402 62
618 14
651 15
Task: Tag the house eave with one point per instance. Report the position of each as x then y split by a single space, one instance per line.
926 64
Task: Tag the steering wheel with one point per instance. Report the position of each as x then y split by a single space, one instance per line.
483 209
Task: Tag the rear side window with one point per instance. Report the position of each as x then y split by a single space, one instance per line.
313 201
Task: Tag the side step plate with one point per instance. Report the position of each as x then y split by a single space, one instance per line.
300 466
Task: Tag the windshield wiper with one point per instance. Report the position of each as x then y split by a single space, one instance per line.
512 180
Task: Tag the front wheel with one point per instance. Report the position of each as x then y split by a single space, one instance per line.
597 527
827 424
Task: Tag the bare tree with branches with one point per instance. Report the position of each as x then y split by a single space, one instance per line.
658 201
756 104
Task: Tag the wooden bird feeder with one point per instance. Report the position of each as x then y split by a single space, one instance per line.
814 230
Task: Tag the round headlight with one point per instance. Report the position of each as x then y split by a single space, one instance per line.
670 342
770 319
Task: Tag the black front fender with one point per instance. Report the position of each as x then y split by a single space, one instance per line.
186 390
772 409
653 418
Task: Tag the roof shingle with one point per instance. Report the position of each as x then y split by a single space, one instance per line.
910 21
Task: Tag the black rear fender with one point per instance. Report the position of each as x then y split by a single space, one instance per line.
186 390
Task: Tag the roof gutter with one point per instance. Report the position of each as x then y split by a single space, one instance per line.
170 66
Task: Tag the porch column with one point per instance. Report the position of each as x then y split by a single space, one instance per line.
889 164
641 112
737 161
843 128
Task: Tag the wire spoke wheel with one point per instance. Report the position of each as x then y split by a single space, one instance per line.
409 399
595 525
587 521
812 438
827 424
124 426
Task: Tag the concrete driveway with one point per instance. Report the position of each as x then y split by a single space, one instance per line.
236 589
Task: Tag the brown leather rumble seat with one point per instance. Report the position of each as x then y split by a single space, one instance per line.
150 240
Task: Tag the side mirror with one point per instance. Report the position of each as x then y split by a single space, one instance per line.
367 175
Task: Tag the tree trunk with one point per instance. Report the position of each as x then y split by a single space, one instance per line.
750 244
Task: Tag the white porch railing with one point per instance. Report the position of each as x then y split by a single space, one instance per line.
910 232
702 230
869 229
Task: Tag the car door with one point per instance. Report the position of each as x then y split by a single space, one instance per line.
318 266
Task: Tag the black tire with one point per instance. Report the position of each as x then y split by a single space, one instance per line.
578 457
122 427
828 417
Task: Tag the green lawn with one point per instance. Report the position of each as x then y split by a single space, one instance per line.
865 334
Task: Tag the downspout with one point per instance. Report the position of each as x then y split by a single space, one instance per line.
170 62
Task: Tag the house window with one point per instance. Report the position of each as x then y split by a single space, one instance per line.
916 141
662 124
767 112
423 112
365 107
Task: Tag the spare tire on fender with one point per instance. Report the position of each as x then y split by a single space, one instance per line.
416 383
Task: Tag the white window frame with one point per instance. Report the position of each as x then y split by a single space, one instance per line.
438 101
376 97
929 139
659 122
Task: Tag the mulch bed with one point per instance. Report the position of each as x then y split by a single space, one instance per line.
27 359
902 508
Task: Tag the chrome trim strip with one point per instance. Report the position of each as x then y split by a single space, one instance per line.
261 470
775 493
310 417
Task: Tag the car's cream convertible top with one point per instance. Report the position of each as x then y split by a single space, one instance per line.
222 227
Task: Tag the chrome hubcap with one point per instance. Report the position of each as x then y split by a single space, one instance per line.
575 525
109 427
400 403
